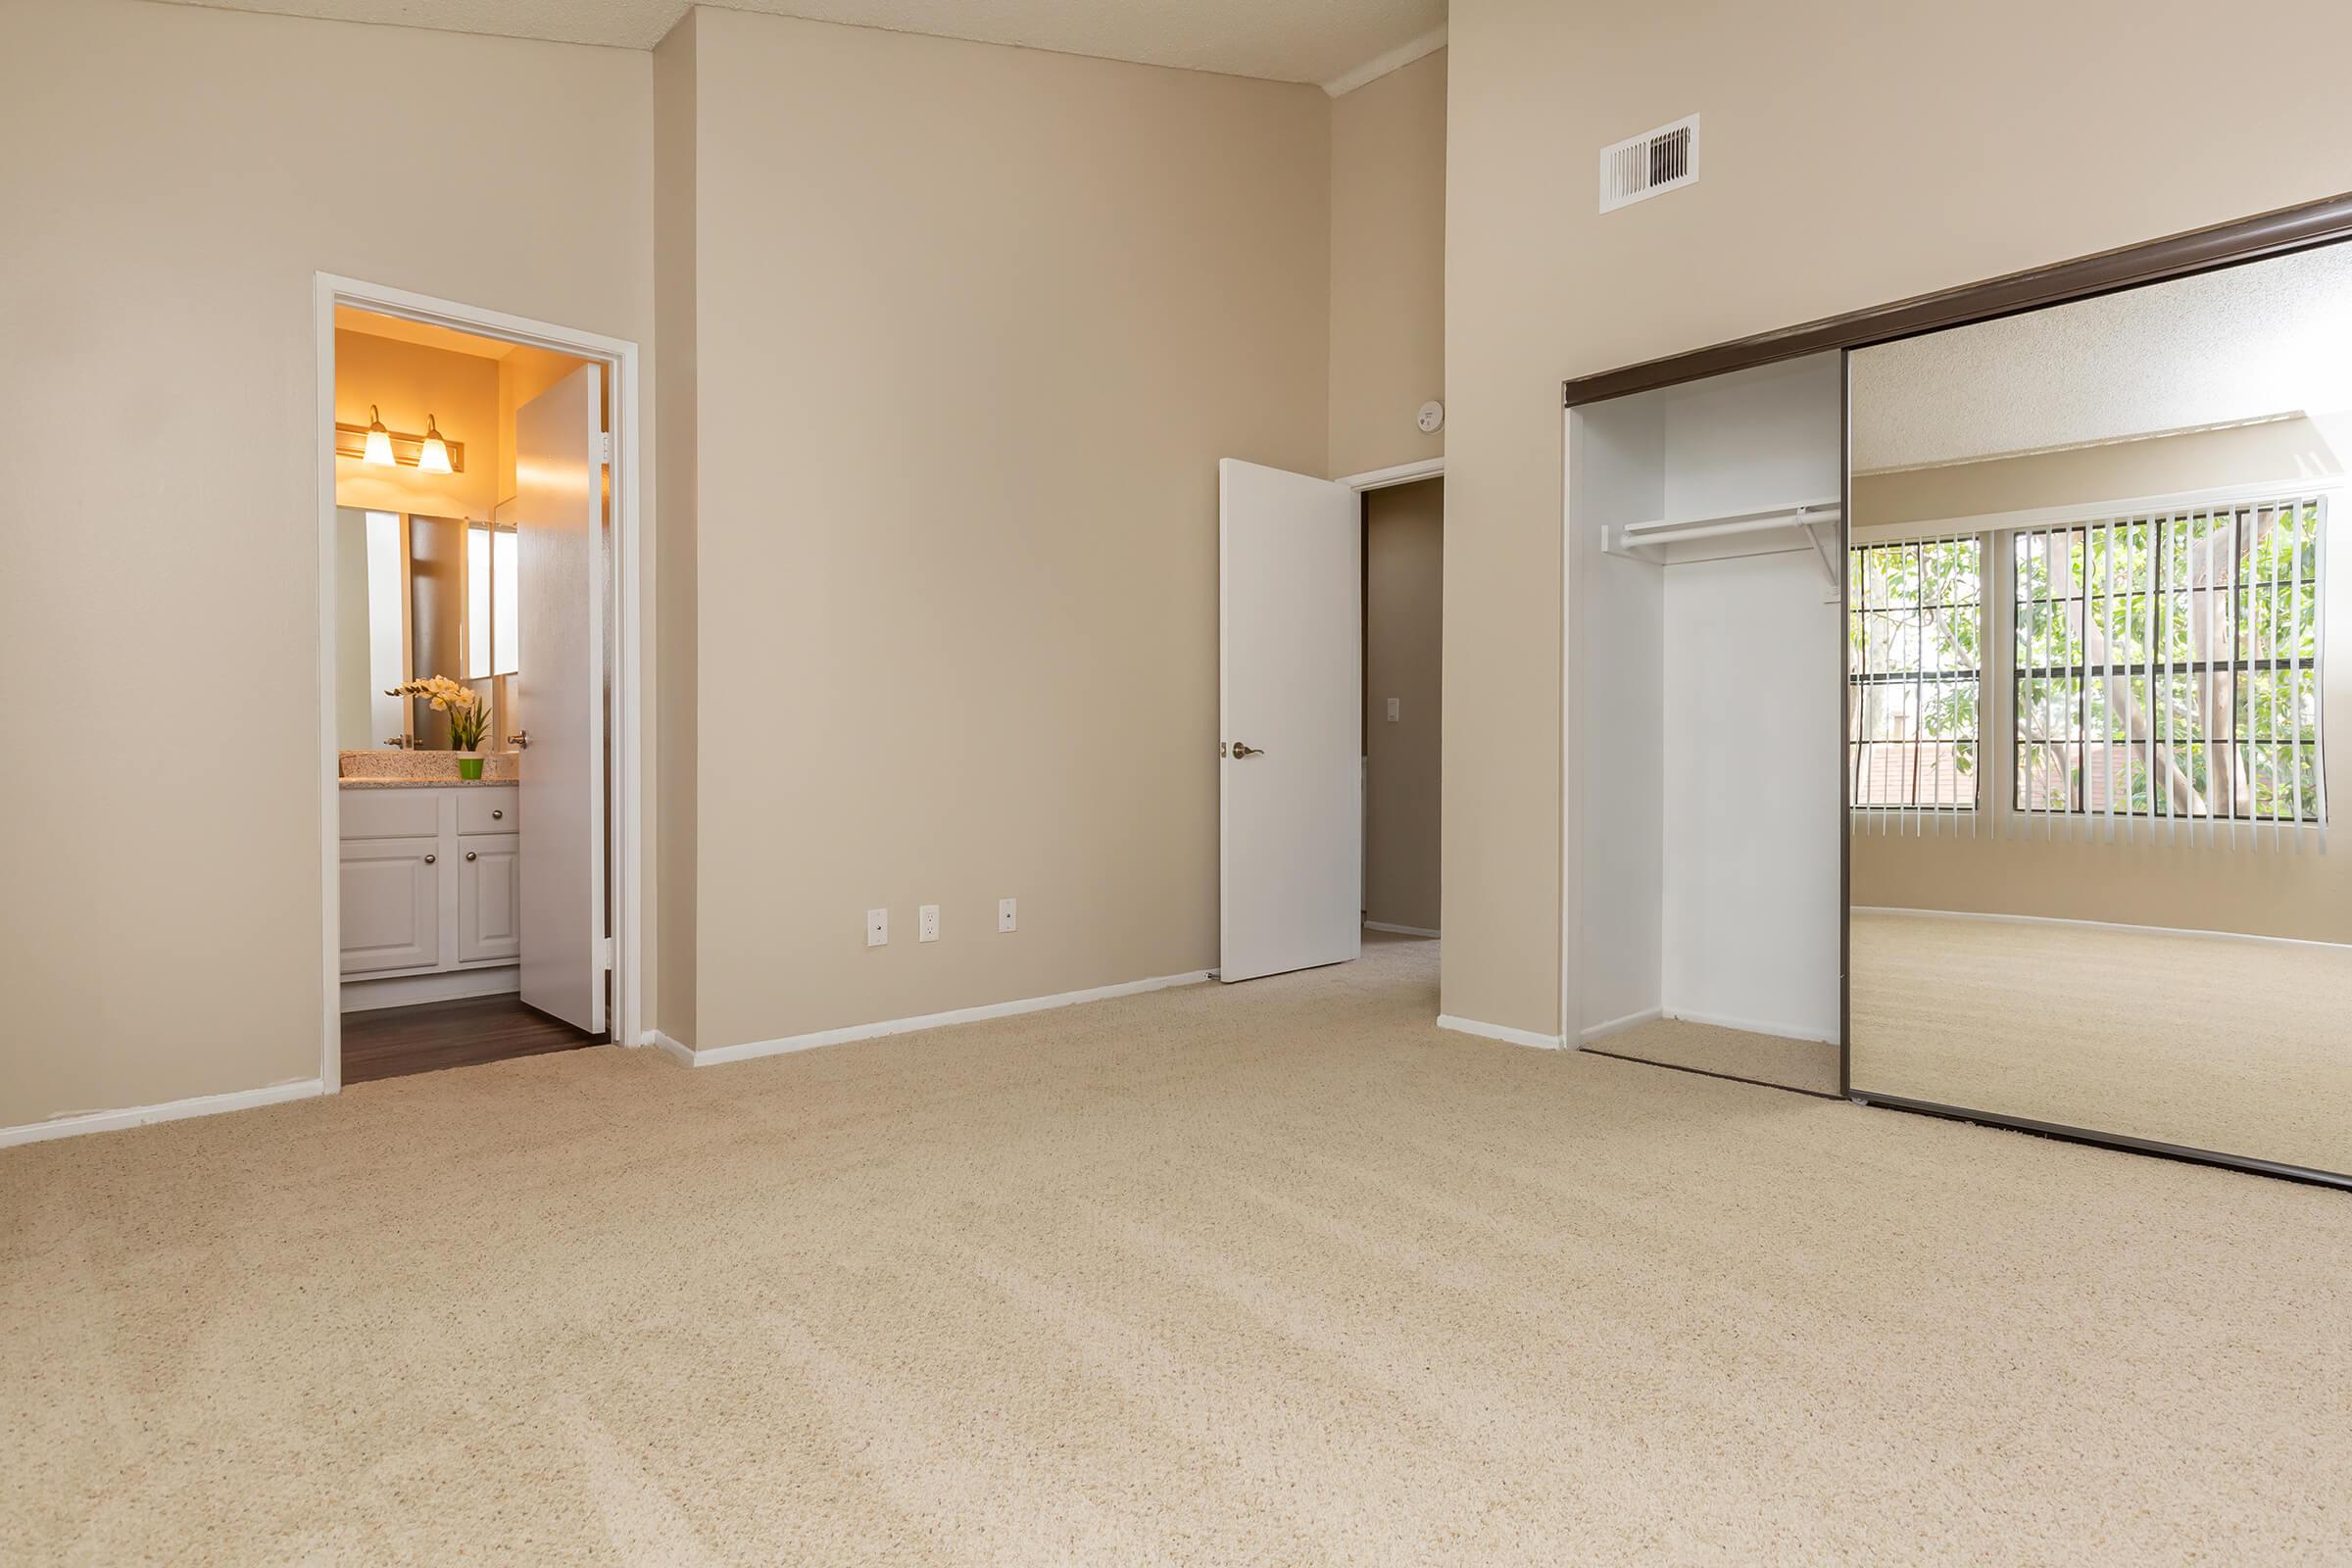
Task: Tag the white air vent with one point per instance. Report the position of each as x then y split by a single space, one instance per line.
1649 164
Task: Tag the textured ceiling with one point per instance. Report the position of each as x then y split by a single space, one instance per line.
2224 348
1283 40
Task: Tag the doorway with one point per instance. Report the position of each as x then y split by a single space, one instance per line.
478 608
1405 618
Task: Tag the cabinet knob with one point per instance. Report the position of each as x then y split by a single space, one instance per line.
430 859
470 854
497 811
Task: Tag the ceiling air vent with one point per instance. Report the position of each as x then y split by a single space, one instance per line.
1649 164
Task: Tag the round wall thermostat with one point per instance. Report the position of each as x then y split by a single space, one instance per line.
1432 417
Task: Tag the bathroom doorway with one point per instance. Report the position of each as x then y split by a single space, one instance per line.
477 615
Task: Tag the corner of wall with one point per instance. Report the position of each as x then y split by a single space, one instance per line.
676 313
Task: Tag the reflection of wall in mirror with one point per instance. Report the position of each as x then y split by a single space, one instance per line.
437 614
2188 885
369 642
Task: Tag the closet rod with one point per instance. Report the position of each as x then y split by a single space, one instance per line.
1642 533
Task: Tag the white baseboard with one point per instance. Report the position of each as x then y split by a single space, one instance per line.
717 1055
1602 1031
442 985
681 1054
2093 925
1754 1026
1398 930
107 1121
1495 1031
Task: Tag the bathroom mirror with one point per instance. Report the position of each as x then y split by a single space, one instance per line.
2099 696
415 596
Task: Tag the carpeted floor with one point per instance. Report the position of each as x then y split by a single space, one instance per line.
1807 1064
1276 1273
2240 1047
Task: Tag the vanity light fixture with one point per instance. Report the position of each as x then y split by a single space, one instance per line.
372 443
432 456
379 439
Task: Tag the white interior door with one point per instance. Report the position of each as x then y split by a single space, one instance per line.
560 681
1290 698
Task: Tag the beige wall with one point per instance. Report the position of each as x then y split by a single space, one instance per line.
976 324
1404 591
675 130
172 178
2303 448
1796 215
2233 884
408 381
1388 267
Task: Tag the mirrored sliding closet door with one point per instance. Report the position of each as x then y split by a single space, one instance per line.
2099 691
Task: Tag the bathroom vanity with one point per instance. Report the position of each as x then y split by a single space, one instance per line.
432 890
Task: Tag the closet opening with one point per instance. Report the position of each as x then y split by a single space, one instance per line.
1704 563
2089 598
470 615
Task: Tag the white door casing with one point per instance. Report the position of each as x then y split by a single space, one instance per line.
559 684
1290 687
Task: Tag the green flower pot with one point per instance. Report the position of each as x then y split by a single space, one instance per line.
470 767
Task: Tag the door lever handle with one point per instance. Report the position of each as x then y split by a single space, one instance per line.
1241 748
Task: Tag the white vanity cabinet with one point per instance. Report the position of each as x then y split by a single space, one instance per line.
489 897
391 904
432 891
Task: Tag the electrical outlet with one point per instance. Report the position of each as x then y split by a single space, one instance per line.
1395 703
1008 915
877 928
927 923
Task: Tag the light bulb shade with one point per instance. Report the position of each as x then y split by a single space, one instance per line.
379 441
433 456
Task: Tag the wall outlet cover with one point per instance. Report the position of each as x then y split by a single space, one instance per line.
927 923
1007 915
877 928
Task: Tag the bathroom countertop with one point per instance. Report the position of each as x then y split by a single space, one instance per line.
424 783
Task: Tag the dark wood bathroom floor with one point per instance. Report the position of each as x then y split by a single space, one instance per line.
394 1042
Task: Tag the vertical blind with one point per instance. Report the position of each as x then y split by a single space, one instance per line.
2163 679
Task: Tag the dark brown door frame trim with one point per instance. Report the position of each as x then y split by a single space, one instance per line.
2200 250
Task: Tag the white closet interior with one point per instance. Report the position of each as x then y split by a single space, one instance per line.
1703 702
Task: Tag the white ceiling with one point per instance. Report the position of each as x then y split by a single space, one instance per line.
1323 42
2223 348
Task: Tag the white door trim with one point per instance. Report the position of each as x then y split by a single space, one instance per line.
1401 474
632 533
1572 935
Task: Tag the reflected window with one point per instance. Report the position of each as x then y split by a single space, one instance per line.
1915 636
2168 665
493 601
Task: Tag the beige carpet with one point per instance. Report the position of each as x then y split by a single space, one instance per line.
2241 1046
1806 1064
1271 1274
